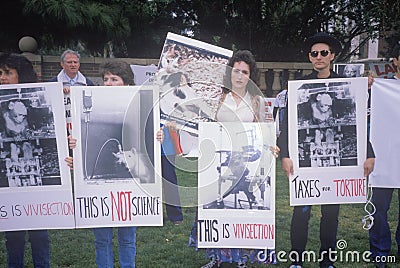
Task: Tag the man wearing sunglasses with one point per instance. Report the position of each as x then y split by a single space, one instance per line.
321 50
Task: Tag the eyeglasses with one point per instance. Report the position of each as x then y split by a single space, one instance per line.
237 71
315 53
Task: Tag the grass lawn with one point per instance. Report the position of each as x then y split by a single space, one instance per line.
167 246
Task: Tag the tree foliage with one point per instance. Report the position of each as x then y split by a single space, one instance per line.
274 30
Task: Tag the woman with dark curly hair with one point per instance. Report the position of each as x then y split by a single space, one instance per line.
15 69
240 101
240 90
239 58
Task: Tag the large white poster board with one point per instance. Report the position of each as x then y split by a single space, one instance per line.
35 181
236 185
117 158
327 140
385 115
190 77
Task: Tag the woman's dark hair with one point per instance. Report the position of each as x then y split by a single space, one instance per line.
120 68
247 57
22 65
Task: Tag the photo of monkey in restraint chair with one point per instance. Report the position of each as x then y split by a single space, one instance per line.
243 178
28 150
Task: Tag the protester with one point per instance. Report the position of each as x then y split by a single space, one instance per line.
15 69
379 235
280 106
240 101
170 185
70 76
116 73
322 48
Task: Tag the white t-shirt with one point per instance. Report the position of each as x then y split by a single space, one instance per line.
280 99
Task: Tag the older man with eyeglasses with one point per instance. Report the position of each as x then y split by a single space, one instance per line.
322 48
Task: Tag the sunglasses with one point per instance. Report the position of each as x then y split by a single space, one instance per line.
315 53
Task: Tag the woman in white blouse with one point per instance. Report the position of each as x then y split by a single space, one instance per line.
241 101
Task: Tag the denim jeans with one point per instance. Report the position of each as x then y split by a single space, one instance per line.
170 186
40 244
380 236
104 251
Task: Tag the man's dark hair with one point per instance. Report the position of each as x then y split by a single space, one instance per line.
22 65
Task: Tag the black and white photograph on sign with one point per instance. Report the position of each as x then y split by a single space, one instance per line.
327 131
114 131
239 166
29 155
349 69
190 77
35 180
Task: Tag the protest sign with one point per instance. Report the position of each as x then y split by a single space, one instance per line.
327 140
117 157
35 180
385 97
236 185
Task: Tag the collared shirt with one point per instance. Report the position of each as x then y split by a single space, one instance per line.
78 80
231 111
71 81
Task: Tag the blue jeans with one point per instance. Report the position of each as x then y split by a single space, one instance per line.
40 244
380 240
104 251
170 186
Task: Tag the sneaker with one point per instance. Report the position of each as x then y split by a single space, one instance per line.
192 242
241 265
212 264
295 266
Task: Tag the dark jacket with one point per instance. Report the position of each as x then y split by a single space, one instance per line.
82 80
